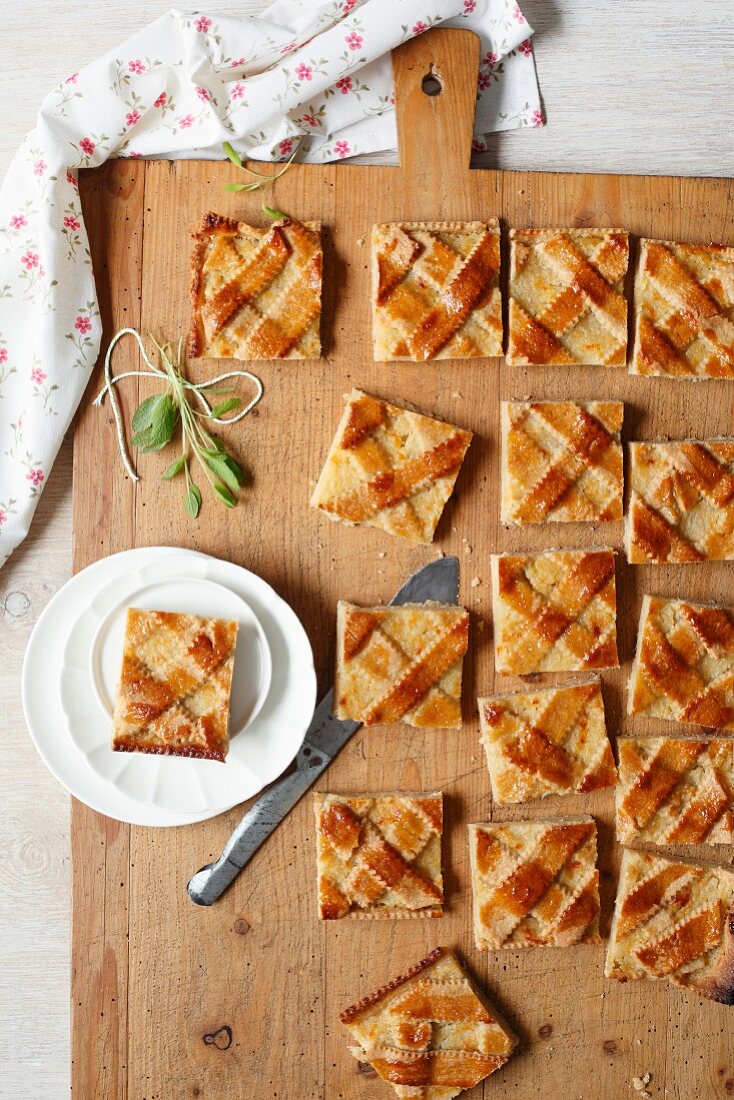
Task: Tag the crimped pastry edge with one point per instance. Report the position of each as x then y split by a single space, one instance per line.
354 1011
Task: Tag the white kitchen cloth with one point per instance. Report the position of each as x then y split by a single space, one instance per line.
305 77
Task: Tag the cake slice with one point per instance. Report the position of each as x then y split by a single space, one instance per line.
535 883
255 291
674 920
675 791
684 665
429 1032
561 461
435 290
400 663
681 505
567 302
551 741
173 694
684 310
554 611
379 855
391 468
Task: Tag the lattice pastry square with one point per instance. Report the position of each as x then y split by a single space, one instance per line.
401 664
684 665
255 292
429 1032
554 611
567 301
535 883
173 695
379 855
391 468
561 461
684 310
551 741
674 920
675 791
435 290
681 505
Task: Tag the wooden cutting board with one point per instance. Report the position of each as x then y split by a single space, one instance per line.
242 1000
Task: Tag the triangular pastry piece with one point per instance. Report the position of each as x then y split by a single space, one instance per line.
429 1032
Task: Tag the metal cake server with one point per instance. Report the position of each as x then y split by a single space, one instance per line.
439 580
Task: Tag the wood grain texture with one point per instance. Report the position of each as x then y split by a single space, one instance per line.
259 964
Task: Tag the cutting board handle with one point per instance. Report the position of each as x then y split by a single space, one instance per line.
435 131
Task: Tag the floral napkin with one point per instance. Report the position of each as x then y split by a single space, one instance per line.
305 78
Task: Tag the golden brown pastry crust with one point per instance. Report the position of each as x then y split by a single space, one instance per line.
551 741
535 883
675 791
429 1031
684 665
173 695
391 468
379 855
435 290
561 461
554 611
567 301
674 920
684 310
401 664
681 505
255 292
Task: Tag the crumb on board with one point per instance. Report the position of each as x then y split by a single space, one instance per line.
360 241
382 554
475 582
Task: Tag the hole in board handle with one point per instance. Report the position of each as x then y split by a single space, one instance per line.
431 84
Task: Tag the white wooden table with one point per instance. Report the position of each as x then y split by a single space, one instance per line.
628 85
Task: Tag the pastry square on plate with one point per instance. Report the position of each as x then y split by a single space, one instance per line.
684 665
400 664
567 301
535 883
429 1032
435 290
550 741
255 292
684 310
674 920
681 505
173 696
554 611
389 467
379 855
675 791
561 460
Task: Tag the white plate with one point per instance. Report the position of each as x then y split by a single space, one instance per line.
73 644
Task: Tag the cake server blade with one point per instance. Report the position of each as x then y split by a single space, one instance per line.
326 735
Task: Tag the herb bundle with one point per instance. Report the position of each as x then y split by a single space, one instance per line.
159 417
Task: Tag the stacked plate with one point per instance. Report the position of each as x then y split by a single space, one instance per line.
73 661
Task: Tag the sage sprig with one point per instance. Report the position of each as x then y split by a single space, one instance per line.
261 179
158 418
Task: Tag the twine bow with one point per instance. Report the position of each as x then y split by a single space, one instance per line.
196 388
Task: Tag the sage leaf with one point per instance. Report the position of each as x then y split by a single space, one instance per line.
193 500
276 215
165 418
145 412
231 153
235 187
219 465
174 469
224 494
226 406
